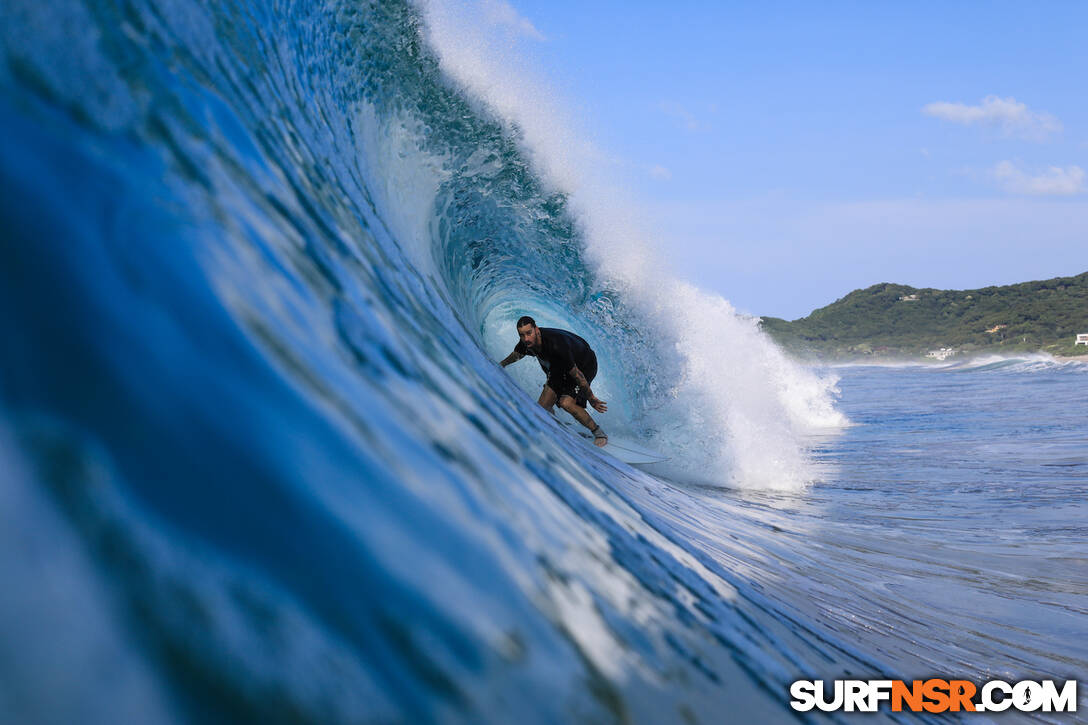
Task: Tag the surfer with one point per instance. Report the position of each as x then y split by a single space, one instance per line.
570 364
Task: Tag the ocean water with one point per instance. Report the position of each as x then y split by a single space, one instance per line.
257 463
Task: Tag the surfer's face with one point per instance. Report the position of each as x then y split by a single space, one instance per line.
530 335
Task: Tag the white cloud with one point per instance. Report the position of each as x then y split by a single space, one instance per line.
501 13
1055 181
1008 114
684 118
658 171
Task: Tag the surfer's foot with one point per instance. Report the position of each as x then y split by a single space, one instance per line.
600 438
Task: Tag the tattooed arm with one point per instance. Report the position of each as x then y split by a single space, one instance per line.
598 405
511 358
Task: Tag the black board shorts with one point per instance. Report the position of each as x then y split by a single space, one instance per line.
564 384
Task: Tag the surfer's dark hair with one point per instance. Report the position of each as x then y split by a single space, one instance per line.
526 320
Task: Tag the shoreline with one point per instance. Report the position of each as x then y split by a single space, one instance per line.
894 362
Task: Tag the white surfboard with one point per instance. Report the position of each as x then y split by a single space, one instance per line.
626 450
631 452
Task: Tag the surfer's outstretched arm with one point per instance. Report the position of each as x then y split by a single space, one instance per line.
511 358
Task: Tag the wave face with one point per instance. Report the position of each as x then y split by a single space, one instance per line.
258 261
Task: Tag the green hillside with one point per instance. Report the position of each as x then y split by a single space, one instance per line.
893 320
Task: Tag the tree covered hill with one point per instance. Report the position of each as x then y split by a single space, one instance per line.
893 320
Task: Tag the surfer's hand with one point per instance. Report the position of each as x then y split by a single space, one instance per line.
598 405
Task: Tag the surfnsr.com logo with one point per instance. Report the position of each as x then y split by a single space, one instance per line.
934 695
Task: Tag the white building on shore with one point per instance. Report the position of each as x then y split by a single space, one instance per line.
1082 339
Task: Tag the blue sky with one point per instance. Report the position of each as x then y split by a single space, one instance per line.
788 153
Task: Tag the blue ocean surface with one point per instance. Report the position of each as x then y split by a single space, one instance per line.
258 463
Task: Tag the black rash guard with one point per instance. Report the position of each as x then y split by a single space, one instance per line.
559 352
